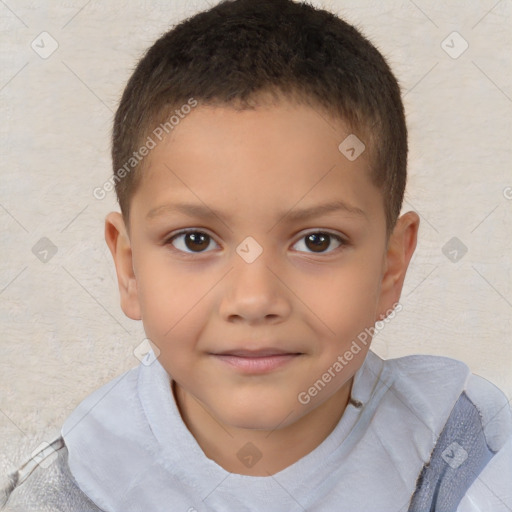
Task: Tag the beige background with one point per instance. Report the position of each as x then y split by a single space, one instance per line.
63 332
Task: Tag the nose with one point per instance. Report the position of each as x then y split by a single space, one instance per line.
254 293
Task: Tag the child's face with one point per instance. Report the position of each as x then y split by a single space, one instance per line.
213 305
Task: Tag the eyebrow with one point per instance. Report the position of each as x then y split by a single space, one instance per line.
203 211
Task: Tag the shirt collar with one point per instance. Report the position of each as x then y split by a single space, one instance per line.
129 435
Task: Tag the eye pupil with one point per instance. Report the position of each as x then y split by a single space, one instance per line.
320 241
198 241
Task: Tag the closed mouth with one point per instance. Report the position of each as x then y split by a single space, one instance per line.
256 361
266 352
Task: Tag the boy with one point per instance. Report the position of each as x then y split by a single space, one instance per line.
271 135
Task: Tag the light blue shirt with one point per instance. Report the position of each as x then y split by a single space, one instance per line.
129 449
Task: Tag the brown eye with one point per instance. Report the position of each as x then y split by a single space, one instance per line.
191 241
320 241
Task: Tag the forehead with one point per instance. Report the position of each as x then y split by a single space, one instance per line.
285 155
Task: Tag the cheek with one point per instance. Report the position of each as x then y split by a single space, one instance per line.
176 304
344 302
168 297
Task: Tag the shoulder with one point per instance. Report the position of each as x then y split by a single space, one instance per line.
492 489
431 386
419 368
44 482
494 411
425 387
469 420
436 384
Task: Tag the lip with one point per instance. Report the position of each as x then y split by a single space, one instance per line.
256 361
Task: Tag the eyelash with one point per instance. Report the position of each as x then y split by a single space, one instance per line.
342 241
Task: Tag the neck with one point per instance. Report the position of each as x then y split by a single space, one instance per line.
260 452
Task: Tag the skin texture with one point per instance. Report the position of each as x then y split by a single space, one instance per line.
198 297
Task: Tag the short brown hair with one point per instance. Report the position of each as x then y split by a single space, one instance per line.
234 52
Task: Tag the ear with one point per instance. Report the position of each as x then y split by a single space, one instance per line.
401 246
118 241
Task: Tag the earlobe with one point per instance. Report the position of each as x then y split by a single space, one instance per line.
401 246
118 241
